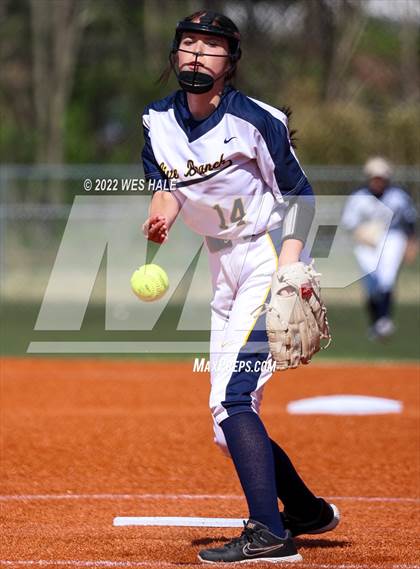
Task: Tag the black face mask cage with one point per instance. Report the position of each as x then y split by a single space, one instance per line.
196 81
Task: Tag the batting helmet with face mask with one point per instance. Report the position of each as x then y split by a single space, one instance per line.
209 23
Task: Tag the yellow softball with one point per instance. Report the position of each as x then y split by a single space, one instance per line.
149 282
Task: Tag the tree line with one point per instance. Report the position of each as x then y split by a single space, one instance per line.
76 75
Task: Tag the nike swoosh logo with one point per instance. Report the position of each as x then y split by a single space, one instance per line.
260 550
229 139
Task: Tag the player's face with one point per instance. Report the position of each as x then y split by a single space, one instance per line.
208 45
377 185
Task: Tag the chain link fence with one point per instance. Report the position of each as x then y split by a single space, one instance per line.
31 231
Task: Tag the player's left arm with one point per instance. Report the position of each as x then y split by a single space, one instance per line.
409 216
296 315
281 170
290 252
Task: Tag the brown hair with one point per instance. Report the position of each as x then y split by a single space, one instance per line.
292 133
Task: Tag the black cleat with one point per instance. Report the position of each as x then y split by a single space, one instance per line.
327 520
255 544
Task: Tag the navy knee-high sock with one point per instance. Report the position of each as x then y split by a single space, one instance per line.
384 304
252 455
298 500
372 306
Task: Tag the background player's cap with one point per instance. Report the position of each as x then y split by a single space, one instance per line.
378 167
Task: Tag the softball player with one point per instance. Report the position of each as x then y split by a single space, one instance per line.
235 177
380 252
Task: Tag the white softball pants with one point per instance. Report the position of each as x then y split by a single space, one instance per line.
382 265
239 358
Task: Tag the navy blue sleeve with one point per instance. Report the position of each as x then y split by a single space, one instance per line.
305 189
290 180
289 176
410 217
410 229
276 160
150 165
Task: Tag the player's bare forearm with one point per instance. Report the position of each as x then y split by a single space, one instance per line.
290 252
162 214
166 205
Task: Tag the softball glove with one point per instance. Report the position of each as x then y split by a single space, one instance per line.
296 318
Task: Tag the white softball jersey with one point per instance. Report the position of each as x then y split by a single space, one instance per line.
231 171
231 174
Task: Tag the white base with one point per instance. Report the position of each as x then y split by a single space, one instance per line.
179 521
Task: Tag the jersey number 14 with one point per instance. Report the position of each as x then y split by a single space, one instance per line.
237 215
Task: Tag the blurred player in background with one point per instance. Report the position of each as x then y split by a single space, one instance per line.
379 252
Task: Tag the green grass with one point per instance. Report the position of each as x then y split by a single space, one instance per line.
348 324
350 341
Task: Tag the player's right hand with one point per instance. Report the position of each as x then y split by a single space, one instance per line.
155 228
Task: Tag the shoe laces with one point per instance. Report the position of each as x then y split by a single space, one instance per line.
245 537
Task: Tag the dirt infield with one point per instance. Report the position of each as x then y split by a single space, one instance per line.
85 441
